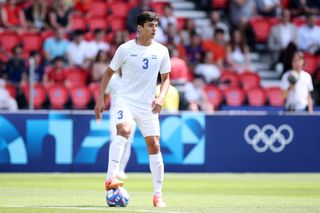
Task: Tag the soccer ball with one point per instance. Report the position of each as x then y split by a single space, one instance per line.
117 197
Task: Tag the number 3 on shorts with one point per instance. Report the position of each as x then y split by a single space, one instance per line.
120 114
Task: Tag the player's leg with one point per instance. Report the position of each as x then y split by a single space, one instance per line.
150 128
123 115
126 154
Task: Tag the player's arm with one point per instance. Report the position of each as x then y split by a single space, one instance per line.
100 105
164 86
310 103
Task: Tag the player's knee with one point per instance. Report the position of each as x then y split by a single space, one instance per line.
124 131
154 148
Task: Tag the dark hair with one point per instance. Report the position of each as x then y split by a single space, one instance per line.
146 16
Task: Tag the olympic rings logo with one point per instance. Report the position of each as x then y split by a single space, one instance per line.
261 140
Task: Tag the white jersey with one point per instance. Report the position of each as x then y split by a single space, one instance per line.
298 96
140 67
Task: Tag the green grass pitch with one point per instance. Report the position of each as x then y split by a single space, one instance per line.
183 193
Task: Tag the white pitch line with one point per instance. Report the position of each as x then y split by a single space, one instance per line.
91 208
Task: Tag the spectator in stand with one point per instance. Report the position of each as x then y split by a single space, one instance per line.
97 44
309 36
56 73
188 29
168 19
56 46
270 8
144 5
208 31
217 47
39 66
13 16
282 38
15 69
179 68
60 15
297 86
196 96
238 52
77 50
171 100
207 69
2 3
99 66
36 15
120 37
304 7
173 35
6 101
194 50
241 11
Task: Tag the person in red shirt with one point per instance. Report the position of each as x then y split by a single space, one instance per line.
13 17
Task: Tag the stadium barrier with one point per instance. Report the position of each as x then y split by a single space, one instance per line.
71 141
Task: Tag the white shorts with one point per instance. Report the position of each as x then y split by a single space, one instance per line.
113 123
148 122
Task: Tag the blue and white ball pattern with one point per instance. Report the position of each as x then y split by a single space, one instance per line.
117 197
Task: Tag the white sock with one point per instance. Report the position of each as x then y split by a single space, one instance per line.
125 157
157 170
115 153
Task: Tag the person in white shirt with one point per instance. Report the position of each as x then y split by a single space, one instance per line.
112 89
6 101
98 43
140 61
77 50
297 86
309 36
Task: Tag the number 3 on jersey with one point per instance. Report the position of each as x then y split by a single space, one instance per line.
120 114
145 63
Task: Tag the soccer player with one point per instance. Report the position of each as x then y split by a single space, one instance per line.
140 60
112 89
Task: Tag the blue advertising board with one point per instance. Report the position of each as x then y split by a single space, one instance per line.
67 141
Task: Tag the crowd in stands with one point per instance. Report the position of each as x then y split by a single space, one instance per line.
72 41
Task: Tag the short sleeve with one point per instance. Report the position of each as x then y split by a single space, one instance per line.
284 82
117 59
165 64
310 85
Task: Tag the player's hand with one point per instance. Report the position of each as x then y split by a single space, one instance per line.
98 109
157 105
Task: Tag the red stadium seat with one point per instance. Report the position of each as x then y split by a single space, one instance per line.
8 40
11 89
97 23
119 10
249 80
78 23
275 96
214 95
117 24
234 96
311 64
285 3
46 34
157 6
299 21
256 96
229 79
98 9
261 27
39 94
31 42
76 77
219 4
58 96
80 97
